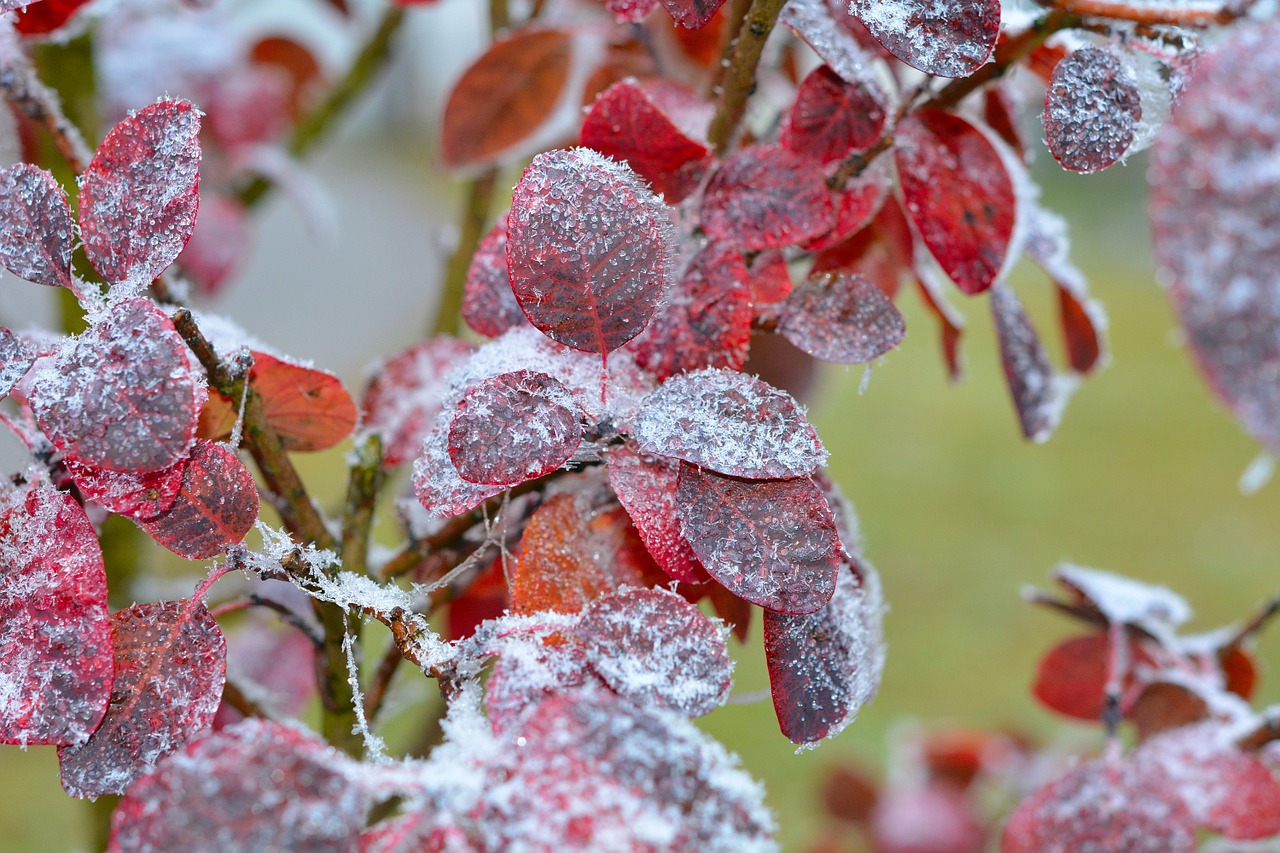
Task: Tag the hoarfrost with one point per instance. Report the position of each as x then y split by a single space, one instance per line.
1123 600
38 234
946 38
1091 110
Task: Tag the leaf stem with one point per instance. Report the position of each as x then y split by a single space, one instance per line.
474 218
363 483
740 76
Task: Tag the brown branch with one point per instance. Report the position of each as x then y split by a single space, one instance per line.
740 77
376 694
1150 15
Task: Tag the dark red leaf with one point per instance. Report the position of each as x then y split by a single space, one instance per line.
959 195
436 483
258 785
1038 395
37 233
849 794
42 17
845 319
1091 110
883 251
828 28
139 496
855 205
946 38
729 422
1217 227
1239 671
16 357
486 598
514 427
646 488
1000 112
124 395
831 118
405 394
220 244
657 649
773 543
692 14
139 196
1165 705
706 318
55 681
489 306
766 197
170 665
216 506
589 249
1072 677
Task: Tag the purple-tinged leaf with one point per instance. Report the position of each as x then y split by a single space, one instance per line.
137 496
217 504
16 357
36 231
692 14
832 118
55 681
844 318
489 306
405 395
766 197
436 482
1038 395
946 38
773 543
646 488
514 427
589 249
257 785
170 665
823 26
1091 110
729 422
140 194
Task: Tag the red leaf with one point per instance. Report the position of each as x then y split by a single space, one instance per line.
538 422
1164 705
950 322
959 195
486 598
16 357
829 29
946 38
588 248
170 665
257 785
139 196
139 496
405 394
36 240
883 251
123 396
1038 395
824 666
627 122
856 204
646 488
439 488
417 832
831 118
631 10
489 306
766 197
42 17
1072 677
845 319
705 321
1091 110
770 279
731 423
773 543
56 679
1216 225
692 14
216 505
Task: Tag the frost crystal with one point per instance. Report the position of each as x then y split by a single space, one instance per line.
1091 110
947 38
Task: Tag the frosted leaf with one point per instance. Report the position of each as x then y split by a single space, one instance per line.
1083 320
528 672
440 490
37 234
1091 110
1072 677
657 650
1215 216
122 396
731 423
773 543
404 396
1124 600
16 357
946 38
813 21
589 249
832 118
139 195
56 679
824 666
217 504
489 306
1038 395
170 666
766 197
139 496
856 204
845 319
692 14
646 488
929 817
257 785
513 427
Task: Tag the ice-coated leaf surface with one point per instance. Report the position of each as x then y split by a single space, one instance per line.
773 543
489 306
946 38
958 194
1091 110
170 665
658 650
646 488
832 118
631 10
122 396
530 671
1101 805
626 123
504 97
820 23
16 357
139 496
404 397
258 785
589 249
706 318
514 427
841 318
729 422
139 196
1215 216
37 234
824 666
766 197
1038 395
692 14
55 677
440 489
217 504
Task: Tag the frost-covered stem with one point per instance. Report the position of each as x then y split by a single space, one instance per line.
1266 731
314 125
471 229
24 90
381 683
740 76
363 483
1153 15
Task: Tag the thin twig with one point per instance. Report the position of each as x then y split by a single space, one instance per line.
236 698
474 219
363 484
376 694
740 76
25 91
